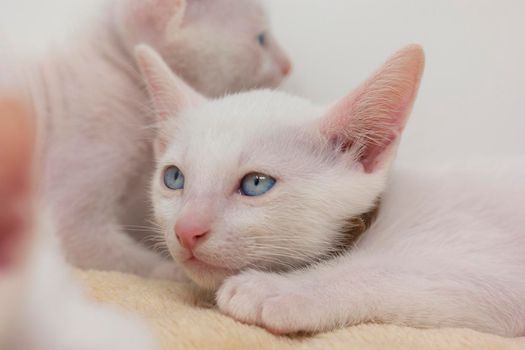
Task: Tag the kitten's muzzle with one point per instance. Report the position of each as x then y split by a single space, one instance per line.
189 234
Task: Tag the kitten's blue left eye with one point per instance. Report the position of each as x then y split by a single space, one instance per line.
173 178
256 184
261 38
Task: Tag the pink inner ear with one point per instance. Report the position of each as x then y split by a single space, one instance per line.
371 140
371 119
169 93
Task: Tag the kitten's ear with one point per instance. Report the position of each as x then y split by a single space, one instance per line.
17 140
169 93
151 20
371 119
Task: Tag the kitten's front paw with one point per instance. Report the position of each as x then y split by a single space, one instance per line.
271 301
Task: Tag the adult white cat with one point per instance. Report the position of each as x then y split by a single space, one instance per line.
263 195
41 306
99 131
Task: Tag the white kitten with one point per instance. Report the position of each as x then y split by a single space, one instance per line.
267 181
214 45
99 130
41 306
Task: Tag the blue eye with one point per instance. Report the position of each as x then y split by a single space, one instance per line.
261 38
173 178
256 184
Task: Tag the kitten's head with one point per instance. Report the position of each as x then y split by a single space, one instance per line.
217 46
266 180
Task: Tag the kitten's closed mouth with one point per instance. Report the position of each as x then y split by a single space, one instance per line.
195 263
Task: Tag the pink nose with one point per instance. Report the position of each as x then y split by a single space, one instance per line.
188 234
286 68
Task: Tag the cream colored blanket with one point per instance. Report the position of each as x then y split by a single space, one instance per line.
183 319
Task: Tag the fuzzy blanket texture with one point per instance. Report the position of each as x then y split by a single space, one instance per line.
184 318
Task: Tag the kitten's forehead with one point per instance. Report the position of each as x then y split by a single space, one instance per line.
226 130
245 115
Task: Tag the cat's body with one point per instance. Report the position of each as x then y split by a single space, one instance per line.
446 250
96 130
97 122
257 201
42 307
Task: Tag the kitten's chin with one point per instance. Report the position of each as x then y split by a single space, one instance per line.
205 275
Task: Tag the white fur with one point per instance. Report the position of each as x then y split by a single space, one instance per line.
98 125
447 249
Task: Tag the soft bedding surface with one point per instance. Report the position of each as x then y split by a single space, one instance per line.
184 318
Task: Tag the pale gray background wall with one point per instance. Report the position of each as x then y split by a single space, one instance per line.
473 94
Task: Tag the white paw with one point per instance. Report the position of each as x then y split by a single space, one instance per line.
168 271
272 301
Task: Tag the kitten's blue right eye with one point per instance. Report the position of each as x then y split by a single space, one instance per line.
256 184
173 178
